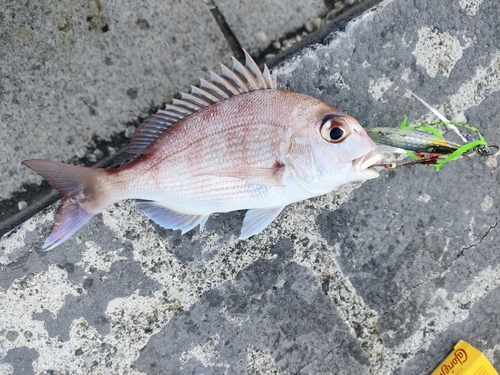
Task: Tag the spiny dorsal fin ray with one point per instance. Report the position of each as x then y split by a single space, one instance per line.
271 81
204 94
222 82
178 110
214 88
238 80
230 74
245 73
252 67
189 105
194 99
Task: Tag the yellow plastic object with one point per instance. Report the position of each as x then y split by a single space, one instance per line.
465 360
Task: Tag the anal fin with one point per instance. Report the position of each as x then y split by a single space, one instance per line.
256 220
169 219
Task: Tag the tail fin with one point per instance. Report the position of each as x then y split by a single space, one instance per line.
77 185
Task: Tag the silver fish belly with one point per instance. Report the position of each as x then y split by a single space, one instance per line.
236 142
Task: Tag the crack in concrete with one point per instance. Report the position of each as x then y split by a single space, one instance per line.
472 245
231 39
322 358
397 354
458 256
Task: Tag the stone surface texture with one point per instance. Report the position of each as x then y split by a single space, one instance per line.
379 278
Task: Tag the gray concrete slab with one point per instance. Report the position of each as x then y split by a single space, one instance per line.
384 278
74 72
255 31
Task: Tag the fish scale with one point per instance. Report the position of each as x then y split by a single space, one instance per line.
236 142
214 154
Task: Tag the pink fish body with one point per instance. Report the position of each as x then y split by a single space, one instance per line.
234 143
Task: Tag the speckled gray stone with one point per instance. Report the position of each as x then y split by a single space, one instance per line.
21 359
72 71
477 328
253 28
274 305
380 278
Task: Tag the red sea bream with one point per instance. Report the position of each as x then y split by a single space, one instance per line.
236 142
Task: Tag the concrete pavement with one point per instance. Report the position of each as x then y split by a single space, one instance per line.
382 278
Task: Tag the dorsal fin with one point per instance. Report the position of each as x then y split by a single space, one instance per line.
238 80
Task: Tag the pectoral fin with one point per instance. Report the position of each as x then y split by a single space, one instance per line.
169 219
302 166
301 159
261 176
256 220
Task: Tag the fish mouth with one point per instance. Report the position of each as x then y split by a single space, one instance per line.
364 163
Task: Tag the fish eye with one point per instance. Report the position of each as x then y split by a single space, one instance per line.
334 129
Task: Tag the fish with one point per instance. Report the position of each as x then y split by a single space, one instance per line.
235 142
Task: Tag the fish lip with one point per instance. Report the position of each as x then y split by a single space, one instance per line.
363 163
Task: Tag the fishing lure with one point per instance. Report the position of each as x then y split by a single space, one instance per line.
426 143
